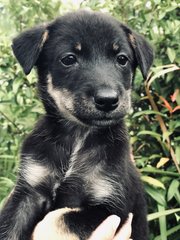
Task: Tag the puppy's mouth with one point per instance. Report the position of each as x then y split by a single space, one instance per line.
101 122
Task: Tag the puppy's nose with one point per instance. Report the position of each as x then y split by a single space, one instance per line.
106 99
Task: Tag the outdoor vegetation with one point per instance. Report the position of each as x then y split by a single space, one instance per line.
154 122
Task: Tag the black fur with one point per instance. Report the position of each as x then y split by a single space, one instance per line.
78 154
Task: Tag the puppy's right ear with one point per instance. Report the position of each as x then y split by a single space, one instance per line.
28 45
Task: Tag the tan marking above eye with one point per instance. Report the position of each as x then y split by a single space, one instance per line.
78 46
115 47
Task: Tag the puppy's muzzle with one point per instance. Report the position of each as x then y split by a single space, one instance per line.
106 99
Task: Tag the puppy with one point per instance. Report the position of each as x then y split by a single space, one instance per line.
77 158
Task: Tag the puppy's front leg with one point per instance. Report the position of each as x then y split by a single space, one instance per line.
23 210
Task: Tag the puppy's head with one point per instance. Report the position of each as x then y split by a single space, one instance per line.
86 63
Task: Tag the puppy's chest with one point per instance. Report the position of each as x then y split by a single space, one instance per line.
88 169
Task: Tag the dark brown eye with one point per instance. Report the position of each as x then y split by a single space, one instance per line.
69 60
122 60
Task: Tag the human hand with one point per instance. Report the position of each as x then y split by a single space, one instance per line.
49 229
107 229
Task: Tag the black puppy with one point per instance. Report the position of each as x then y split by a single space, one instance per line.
78 155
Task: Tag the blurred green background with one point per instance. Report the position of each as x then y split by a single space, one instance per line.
154 123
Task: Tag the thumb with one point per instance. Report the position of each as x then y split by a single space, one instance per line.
107 229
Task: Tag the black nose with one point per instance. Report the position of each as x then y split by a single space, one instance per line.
106 99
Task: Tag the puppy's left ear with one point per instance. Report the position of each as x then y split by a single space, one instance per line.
143 52
28 45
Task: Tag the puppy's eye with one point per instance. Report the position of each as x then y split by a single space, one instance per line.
69 60
122 60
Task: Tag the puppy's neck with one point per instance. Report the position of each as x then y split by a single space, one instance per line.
61 128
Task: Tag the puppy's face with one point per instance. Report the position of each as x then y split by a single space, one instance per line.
86 64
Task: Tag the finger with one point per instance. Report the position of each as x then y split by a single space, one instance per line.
106 229
125 232
47 228
53 226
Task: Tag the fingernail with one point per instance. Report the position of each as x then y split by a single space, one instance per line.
130 217
115 221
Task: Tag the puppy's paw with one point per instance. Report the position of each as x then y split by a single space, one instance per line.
53 227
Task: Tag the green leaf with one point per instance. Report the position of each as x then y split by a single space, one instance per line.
151 133
6 181
178 99
158 196
177 152
166 135
171 8
153 181
162 162
157 171
169 232
16 84
162 223
177 197
148 112
173 188
161 15
137 3
153 216
171 54
154 156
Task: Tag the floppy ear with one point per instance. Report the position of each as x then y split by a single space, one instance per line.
143 52
28 45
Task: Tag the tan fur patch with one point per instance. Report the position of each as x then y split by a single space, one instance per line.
78 46
63 99
53 227
44 39
34 173
98 185
115 47
132 40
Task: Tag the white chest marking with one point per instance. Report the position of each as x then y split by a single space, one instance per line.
99 186
73 161
96 182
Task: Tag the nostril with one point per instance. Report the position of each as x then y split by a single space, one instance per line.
114 100
101 100
106 99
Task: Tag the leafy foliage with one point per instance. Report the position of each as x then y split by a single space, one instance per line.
154 124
